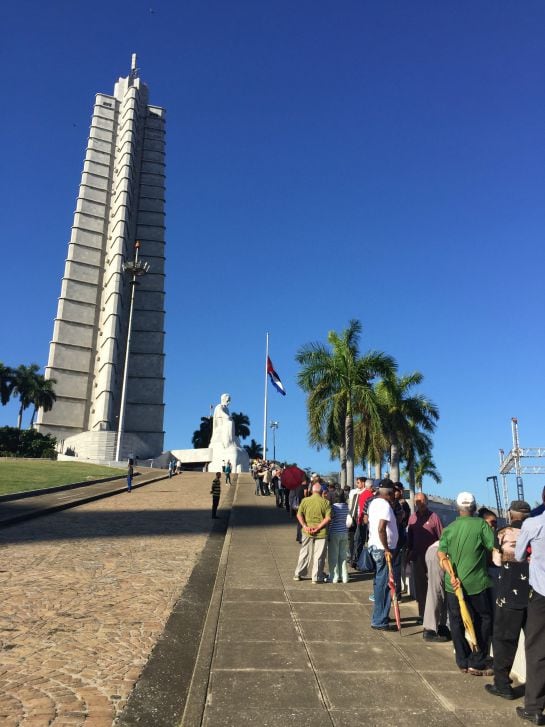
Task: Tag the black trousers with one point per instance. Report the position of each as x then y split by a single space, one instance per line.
508 623
534 700
360 538
481 614
215 503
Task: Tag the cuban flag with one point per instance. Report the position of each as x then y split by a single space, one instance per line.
275 379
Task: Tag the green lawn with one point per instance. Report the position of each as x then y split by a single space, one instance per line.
20 475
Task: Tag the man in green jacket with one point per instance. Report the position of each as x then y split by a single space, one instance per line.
466 543
314 515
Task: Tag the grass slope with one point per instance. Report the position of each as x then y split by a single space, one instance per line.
21 475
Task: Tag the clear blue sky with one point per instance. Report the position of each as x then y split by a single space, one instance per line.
326 161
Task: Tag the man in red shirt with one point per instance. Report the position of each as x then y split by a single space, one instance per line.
424 528
362 529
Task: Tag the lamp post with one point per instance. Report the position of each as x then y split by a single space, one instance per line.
136 269
274 427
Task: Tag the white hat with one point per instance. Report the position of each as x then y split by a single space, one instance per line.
465 499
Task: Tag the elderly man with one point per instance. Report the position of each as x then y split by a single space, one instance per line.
383 535
314 515
435 611
424 528
532 534
512 592
466 543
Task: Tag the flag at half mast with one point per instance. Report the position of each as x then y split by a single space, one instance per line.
275 379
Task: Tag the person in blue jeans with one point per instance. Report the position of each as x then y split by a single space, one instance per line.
383 537
130 475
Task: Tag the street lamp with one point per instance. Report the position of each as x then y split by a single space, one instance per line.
274 427
136 269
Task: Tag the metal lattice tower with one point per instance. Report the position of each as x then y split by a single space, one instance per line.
512 463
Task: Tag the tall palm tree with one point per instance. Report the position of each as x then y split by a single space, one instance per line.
416 446
24 385
425 467
43 396
371 443
255 450
242 424
6 383
401 410
339 386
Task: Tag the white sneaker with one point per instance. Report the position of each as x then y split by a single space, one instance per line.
297 578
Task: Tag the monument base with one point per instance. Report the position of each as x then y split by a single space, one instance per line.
240 462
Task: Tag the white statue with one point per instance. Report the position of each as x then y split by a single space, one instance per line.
223 432
224 443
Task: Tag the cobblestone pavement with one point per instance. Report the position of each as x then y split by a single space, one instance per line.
85 596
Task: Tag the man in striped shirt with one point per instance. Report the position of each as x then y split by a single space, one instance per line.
216 492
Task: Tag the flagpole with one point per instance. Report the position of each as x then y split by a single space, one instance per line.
265 407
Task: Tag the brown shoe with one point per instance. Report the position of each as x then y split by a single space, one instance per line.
480 672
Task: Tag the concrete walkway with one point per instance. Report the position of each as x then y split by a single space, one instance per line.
16 508
279 652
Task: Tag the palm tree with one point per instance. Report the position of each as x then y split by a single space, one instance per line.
425 467
255 450
6 383
417 446
24 385
242 425
371 445
202 436
43 396
402 412
339 386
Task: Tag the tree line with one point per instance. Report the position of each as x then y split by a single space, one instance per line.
202 436
30 387
364 412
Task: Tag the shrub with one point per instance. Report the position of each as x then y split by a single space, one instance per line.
26 443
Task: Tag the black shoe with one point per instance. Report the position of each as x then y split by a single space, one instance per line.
506 692
534 717
433 637
384 628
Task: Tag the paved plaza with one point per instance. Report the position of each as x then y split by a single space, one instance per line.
135 610
277 652
86 594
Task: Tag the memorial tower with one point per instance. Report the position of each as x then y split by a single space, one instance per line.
121 201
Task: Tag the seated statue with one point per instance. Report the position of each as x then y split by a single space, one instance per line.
224 443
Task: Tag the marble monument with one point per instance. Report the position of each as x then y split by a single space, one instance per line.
224 444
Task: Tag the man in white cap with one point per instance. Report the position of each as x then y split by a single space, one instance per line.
466 543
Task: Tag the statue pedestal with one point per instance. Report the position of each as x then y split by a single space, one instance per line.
238 457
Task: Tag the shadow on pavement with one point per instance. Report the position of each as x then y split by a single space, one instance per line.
80 524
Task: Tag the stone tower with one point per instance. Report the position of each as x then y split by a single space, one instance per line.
121 200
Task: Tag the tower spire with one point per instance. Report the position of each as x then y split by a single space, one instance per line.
134 69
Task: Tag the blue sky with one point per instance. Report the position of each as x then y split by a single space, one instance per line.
325 161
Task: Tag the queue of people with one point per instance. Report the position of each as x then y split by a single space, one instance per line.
450 569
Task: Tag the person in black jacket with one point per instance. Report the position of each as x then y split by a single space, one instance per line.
512 593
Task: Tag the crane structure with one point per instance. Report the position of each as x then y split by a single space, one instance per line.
513 464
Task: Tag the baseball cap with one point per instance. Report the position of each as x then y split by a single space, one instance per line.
465 499
520 506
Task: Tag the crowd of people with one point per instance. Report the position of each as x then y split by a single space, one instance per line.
470 567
